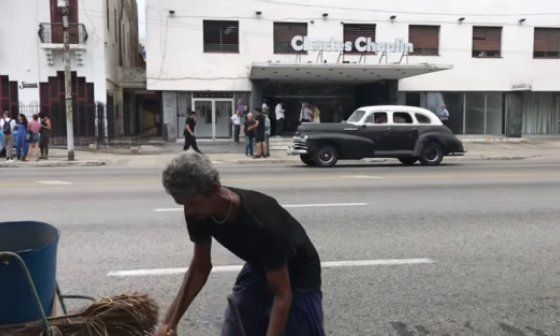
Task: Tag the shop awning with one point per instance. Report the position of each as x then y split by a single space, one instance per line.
348 73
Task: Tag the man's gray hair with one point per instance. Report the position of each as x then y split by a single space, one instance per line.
190 174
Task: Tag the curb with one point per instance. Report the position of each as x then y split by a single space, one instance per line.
52 164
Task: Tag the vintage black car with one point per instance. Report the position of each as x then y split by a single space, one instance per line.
407 133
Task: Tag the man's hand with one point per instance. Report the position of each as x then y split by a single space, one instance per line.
166 330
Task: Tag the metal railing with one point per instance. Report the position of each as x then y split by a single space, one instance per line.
53 33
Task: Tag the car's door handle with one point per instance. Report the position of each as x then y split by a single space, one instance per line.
388 129
414 129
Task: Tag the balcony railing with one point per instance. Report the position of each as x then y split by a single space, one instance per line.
54 33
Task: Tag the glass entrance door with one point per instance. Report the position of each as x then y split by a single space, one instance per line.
203 109
223 111
213 118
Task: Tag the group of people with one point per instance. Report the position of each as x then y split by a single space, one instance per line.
257 131
31 138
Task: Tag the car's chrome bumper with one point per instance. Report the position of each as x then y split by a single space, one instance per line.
457 153
297 150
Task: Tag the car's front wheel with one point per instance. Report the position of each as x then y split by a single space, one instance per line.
325 156
432 154
307 159
408 161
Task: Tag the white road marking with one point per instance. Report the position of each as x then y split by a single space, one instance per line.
285 206
53 182
237 268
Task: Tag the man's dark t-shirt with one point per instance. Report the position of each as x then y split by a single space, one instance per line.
192 124
267 237
246 125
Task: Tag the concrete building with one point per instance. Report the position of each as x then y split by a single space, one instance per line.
107 70
494 64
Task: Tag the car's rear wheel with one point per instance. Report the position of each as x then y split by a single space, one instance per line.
325 156
307 159
432 154
408 161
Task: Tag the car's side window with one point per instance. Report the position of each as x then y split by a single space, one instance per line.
402 118
369 119
422 119
380 118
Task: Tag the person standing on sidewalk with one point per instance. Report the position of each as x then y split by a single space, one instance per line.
8 126
33 129
267 127
249 130
190 138
280 113
22 146
278 291
45 135
236 121
260 134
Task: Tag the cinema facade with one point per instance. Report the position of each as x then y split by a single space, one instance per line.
495 75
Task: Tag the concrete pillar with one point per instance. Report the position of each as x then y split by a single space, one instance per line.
169 123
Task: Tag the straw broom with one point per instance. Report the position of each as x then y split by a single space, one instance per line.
121 315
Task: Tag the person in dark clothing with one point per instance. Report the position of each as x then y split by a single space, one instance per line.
45 134
190 138
260 134
278 291
249 128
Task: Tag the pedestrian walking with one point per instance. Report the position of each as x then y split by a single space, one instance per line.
33 130
22 146
249 129
236 121
188 132
45 134
8 126
280 114
278 291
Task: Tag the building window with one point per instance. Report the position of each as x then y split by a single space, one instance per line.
221 36
425 40
547 43
353 31
283 34
487 42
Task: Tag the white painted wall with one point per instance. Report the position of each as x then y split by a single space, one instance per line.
23 59
176 60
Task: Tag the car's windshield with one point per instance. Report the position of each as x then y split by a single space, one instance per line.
356 116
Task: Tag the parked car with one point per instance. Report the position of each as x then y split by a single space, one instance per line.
407 133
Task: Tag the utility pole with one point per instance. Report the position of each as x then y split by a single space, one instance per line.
63 5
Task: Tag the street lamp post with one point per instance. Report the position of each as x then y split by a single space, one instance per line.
64 8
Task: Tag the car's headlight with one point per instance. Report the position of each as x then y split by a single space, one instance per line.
300 137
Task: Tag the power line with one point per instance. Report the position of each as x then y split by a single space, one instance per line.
299 4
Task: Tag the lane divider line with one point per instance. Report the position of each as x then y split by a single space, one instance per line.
237 268
285 206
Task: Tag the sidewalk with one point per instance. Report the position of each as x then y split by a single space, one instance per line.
478 148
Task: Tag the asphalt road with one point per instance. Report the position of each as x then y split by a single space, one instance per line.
487 235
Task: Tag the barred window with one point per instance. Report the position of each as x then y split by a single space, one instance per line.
283 34
221 36
353 31
487 42
547 43
425 40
